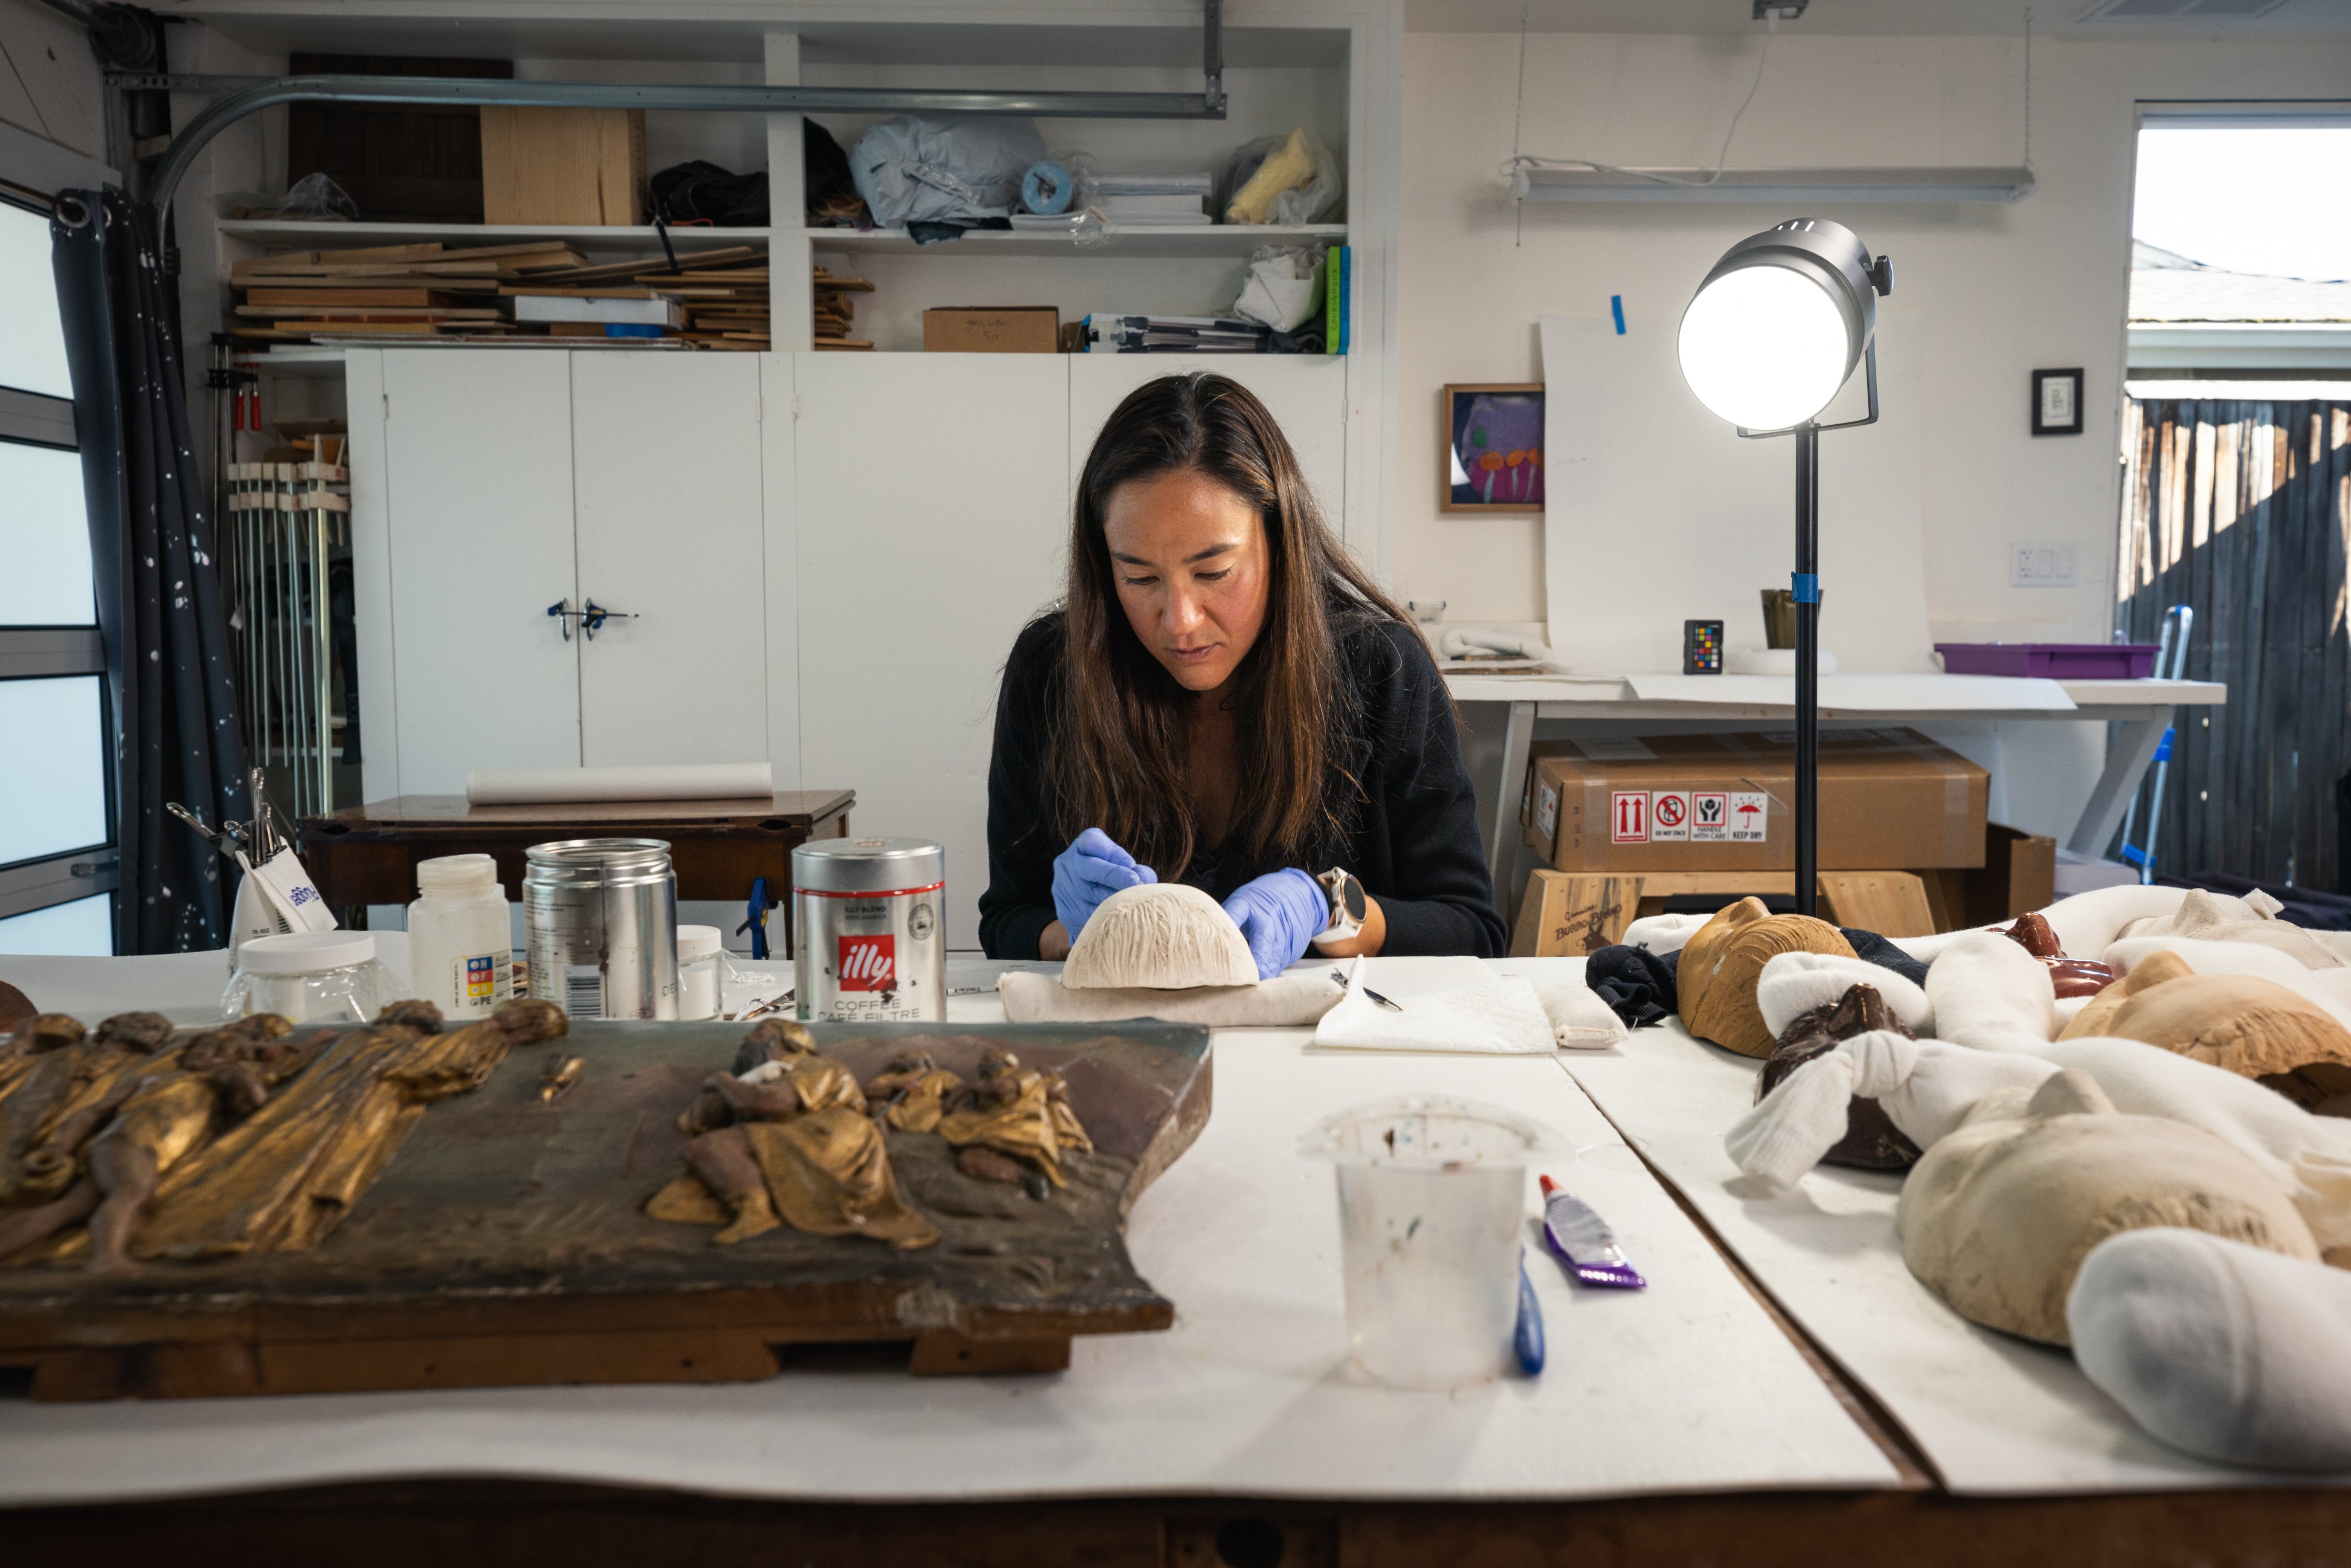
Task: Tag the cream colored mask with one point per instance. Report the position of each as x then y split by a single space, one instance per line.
1163 937
1998 1216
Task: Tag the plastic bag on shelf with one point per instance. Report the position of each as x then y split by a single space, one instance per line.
1299 183
915 169
312 198
1284 286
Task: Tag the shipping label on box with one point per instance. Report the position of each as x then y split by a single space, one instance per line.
1709 816
1628 817
1669 816
1547 812
1750 817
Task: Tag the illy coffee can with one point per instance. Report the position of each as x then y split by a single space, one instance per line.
868 914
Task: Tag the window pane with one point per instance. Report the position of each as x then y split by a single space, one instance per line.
44 537
84 928
32 335
53 791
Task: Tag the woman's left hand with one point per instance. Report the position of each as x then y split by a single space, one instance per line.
1278 914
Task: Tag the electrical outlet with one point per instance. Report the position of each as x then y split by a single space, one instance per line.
2040 565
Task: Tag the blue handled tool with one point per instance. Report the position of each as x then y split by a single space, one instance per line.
755 918
1527 1340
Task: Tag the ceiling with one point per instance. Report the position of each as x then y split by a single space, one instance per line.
1931 18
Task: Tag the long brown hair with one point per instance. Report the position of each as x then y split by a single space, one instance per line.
1119 746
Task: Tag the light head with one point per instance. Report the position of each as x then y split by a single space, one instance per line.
1780 323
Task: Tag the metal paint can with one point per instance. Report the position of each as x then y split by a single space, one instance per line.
599 924
869 917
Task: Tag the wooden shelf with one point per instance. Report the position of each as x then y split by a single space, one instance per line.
303 235
1215 240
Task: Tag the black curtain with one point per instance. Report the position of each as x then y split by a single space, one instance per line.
169 665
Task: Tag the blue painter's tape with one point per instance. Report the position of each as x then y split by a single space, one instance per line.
1046 189
1807 587
1616 309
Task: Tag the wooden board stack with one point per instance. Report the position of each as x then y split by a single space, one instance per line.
833 311
436 291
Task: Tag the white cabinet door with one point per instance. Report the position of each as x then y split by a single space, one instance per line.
477 501
665 465
1307 395
933 499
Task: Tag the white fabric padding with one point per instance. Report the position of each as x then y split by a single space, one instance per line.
1663 934
1580 1020
1926 1087
1285 1002
1990 994
1793 983
2088 923
2221 1350
2308 1156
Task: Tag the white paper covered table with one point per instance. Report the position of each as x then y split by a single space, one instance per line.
1686 1388
1992 1414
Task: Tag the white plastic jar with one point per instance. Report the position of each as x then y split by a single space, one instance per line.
697 971
460 941
311 977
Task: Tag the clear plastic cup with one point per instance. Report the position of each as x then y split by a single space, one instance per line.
1432 1212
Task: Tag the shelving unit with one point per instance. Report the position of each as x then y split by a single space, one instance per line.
1216 240
296 233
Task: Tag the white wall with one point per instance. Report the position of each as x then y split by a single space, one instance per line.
48 79
2004 290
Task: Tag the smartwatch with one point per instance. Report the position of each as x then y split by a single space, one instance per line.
1349 904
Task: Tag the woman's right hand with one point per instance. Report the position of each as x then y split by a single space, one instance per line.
1091 869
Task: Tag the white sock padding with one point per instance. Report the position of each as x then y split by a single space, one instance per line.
2221 1350
1926 1087
1793 983
1664 934
2308 1156
1580 1020
1990 994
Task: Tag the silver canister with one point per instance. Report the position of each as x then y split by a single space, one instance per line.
599 924
868 916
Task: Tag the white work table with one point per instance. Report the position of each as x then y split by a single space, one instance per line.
1686 1423
2143 709
1689 1386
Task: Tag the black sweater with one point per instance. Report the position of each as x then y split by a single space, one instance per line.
1412 839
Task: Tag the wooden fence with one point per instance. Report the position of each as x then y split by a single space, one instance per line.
2243 509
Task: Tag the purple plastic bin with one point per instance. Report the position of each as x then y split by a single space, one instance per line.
2051 661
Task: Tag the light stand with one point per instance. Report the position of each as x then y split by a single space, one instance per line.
1772 348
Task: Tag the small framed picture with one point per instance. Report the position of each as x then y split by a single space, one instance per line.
1493 447
2056 402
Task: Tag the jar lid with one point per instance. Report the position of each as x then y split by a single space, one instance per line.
451 872
698 942
869 865
306 952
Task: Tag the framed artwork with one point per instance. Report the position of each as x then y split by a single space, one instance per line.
1493 447
2056 402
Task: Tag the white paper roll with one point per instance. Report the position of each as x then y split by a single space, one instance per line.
552 786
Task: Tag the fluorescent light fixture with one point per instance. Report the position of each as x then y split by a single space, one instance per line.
1778 186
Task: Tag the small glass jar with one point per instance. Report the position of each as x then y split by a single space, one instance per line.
698 947
311 977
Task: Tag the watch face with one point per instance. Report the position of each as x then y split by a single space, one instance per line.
1351 897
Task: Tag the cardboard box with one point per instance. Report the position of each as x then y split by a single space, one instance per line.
992 329
1889 799
1564 913
578 166
2019 873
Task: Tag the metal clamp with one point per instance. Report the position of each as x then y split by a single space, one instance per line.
593 616
564 616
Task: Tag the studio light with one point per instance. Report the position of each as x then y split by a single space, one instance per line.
1773 332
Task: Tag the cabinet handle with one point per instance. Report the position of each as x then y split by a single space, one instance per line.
593 616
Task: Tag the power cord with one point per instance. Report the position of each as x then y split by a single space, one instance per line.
1520 162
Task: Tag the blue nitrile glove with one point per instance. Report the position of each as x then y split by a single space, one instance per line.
1089 871
1279 913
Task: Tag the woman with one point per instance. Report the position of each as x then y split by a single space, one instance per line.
1226 699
